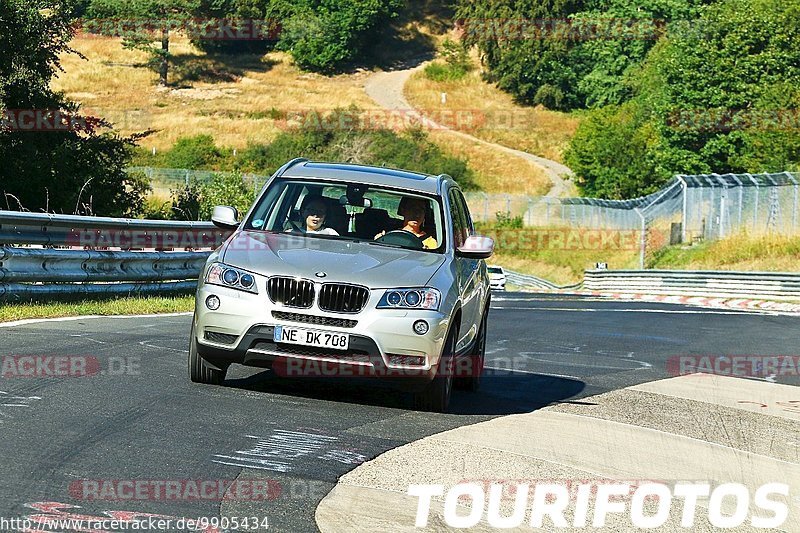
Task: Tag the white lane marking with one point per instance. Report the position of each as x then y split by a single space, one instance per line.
661 311
148 345
28 321
642 364
7 397
86 337
282 448
533 373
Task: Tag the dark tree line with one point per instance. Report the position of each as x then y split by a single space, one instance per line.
52 157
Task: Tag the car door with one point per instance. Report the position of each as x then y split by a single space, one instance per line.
467 270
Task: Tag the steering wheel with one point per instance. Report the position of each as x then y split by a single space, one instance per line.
403 238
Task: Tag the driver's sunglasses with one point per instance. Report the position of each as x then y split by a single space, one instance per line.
319 211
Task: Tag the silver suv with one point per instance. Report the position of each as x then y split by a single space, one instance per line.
352 271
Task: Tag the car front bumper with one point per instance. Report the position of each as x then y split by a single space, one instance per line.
241 331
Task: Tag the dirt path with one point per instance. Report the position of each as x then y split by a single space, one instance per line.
386 88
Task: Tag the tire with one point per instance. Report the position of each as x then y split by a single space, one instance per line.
200 372
477 359
436 396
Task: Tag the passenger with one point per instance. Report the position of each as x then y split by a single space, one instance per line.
413 212
313 211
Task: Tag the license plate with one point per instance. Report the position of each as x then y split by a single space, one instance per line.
308 337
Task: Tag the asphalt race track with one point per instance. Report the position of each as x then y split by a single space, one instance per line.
138 418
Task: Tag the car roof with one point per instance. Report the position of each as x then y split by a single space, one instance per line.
381 176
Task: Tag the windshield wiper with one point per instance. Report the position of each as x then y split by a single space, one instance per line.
376 243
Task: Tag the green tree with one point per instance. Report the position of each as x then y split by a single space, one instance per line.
147 25
325 35
65 162
719 95
568 54
612 154
724 93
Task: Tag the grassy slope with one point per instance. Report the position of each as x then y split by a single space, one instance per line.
121 306
238 111
531 129
767 253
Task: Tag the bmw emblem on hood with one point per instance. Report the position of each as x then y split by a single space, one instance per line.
321 274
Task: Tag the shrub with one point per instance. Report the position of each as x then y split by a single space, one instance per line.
506 221
456 63
197 152
224 189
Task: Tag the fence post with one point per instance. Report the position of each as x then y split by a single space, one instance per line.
794 204
741 201
755 205
643 244
684 215
530 211
485 207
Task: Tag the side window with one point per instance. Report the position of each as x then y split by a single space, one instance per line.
467 217
459 222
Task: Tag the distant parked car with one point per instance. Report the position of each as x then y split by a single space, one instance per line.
497 278
374 271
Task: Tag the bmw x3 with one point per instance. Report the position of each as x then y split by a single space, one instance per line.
348 270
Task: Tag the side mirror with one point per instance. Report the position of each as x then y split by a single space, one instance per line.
225 217
476 247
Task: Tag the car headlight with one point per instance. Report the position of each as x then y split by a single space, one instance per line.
421 298
234 278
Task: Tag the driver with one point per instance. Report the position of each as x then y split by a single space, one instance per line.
413 212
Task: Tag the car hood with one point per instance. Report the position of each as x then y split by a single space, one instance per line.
372 265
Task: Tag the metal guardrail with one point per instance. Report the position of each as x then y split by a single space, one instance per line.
100 255
714 284
69 230
526 281
111 256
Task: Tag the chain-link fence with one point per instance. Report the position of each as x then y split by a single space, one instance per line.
165 180
688 209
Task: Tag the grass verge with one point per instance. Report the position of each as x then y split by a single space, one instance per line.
561 255
772 253
119 306
768 253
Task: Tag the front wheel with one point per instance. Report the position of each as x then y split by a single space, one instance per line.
199 372
477 359
436 396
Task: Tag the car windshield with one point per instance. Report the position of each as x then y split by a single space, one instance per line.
495 270
351 211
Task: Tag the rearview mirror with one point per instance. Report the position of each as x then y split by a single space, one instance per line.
358 201
476 247
225 217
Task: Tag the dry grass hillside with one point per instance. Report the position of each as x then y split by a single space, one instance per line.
531 129
243 100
